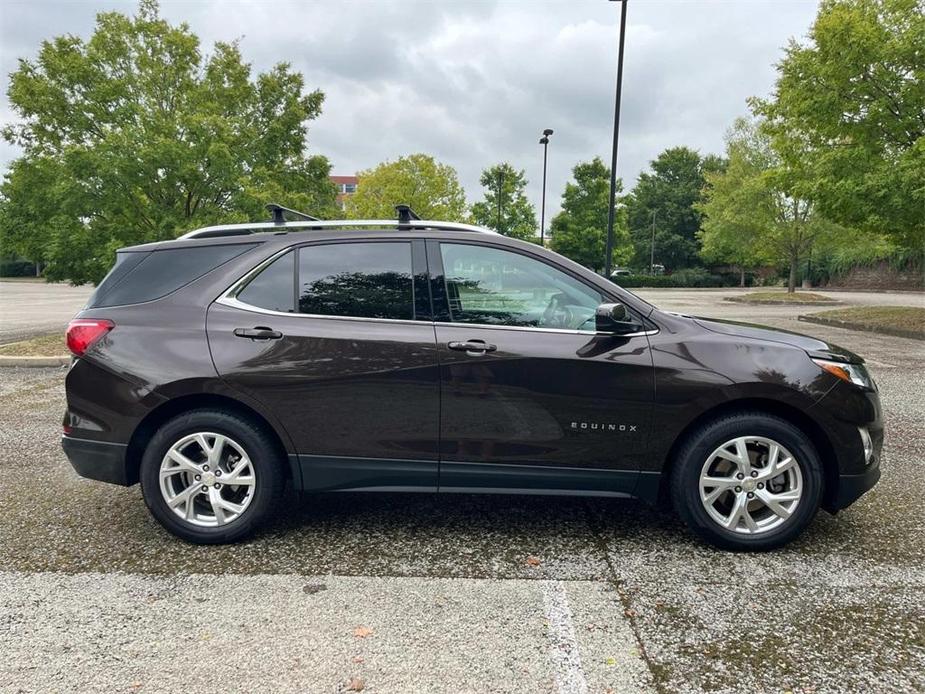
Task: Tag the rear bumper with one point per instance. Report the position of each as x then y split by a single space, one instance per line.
97 460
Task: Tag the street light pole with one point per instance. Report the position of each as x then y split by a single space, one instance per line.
652 254
545 142
500 182
616 132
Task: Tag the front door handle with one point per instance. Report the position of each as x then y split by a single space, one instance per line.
472 346
258 333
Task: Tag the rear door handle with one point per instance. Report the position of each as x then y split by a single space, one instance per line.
258 333
472 346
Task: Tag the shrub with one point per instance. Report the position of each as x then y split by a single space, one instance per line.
691 277
17 268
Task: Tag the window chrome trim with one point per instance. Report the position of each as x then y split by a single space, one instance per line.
229 298
563 331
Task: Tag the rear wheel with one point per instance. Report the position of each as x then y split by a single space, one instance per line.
747 482
210 476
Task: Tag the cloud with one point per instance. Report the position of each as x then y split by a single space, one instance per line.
474 83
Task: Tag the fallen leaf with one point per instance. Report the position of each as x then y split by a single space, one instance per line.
362 632
358 659
533 561
629 612
355 684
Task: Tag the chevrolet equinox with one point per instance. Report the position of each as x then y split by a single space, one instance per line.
427 356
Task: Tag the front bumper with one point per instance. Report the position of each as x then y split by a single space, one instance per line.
851 487
98 460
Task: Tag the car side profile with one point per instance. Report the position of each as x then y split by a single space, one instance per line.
426 356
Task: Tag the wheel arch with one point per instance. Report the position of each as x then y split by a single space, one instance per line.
184 403
789 413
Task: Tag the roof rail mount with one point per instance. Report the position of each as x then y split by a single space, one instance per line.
405 215
278 212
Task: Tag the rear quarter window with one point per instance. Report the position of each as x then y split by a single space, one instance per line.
146 276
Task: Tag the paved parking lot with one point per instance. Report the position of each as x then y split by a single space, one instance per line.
460 593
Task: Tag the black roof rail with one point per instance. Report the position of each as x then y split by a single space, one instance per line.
278 212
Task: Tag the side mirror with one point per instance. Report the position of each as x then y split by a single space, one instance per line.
613 318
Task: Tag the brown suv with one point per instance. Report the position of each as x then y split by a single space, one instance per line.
426 356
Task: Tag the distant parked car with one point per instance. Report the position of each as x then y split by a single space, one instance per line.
620 273
427 356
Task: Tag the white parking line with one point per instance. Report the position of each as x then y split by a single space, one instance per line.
563 646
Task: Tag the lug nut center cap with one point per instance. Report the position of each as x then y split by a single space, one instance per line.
208 478
749 484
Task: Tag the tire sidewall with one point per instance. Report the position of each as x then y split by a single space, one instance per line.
707 440
258 449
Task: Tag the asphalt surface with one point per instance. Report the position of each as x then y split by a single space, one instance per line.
33 308
402 593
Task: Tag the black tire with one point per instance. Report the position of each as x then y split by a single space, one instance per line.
694 453
259 447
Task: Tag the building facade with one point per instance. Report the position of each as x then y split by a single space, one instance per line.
346 186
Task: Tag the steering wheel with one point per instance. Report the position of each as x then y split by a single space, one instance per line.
557 313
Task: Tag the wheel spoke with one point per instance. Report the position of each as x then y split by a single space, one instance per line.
775 502
236 475
185 496
183 463
738 506
719 485
218 447
745 465
215 500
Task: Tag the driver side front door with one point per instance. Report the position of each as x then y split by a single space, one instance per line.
532 398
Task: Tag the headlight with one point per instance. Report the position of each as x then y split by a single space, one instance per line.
852 373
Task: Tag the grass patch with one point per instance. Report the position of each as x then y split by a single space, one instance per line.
782 298
43 346
904 321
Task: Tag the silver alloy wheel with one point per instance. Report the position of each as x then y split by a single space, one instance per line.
751 485
207 479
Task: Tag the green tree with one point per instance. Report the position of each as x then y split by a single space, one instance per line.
848 115
669 194
134 135
759 197
431 189
504 194
731 225
579 231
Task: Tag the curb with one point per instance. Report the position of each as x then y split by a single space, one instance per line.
848 325
34 361
737 300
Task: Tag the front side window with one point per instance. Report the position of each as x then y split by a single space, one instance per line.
491 286
360 280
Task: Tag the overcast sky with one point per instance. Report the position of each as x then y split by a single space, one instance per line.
474 83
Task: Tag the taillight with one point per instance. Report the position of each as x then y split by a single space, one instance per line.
82 333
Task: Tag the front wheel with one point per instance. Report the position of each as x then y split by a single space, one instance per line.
750 481
210 476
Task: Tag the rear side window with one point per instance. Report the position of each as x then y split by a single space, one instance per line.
139 277
274 287
362 280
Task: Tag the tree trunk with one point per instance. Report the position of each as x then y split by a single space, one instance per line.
742 276
792 281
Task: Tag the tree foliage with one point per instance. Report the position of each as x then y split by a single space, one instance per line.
671 192
754 208
732 227
134 135
431 189
504 193
579 231
848 115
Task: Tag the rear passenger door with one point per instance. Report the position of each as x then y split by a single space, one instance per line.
336 339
